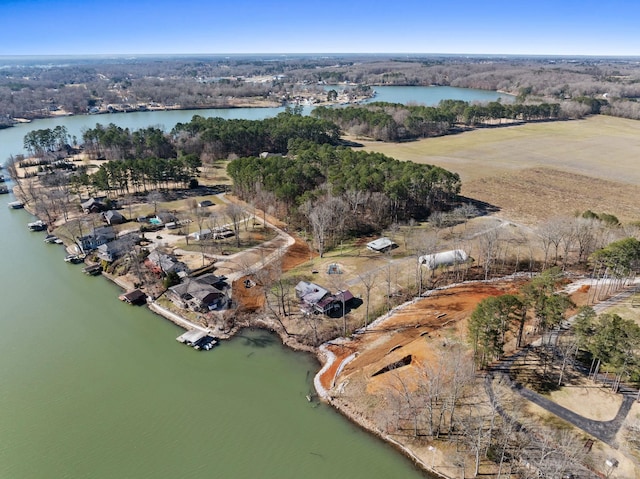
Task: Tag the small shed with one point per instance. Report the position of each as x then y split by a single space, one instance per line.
381 245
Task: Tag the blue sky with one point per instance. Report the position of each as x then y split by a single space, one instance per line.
560 27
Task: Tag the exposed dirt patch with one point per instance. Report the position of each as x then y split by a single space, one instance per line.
248 295
297 254
417 330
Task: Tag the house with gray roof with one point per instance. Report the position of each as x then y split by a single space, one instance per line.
113 217
113 250
162 263
97 237
318 300
92 205
197 295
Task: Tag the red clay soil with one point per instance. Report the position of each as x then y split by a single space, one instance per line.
252 299
297 254
418 329
247 299
341 353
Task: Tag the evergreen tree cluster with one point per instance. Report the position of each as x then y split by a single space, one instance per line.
311 170
223 138
139 175
395 121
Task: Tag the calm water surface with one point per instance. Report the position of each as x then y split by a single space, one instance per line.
91 387
432 95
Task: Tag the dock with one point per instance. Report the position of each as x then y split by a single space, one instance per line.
134 297
37 226
197 339
93 270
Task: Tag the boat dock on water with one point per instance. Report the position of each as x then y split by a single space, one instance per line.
136 297
74 258
37 225
198 339
92 270
51 239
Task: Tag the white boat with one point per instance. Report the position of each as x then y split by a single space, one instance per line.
16 205
73 258
37 226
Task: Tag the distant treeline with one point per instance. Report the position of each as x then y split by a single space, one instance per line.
394 121
34 91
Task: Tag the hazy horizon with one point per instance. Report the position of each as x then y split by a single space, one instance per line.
248 27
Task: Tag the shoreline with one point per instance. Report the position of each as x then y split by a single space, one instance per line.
324 357
231 106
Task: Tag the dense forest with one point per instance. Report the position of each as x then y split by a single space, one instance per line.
337 191
220 138
41 88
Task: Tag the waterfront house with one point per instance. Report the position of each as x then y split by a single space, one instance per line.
161 263
315 299
113 250
218 282
97 237
197 294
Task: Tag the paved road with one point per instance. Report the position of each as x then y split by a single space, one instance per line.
605 431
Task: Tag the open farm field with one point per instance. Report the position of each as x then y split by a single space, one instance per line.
538 170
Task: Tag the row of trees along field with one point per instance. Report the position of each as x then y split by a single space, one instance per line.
395 121
139 175
339 190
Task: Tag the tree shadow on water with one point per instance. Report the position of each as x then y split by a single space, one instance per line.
261 340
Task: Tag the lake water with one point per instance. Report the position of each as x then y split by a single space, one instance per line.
432 95
93 388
